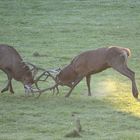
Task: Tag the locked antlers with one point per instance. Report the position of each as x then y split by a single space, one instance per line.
47 76
41 76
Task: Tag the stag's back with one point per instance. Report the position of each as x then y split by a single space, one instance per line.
95 61
90 61
11 61
8 57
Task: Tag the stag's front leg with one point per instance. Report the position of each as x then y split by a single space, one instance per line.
88 78
9 85
73 85
57 90
6 87
11 88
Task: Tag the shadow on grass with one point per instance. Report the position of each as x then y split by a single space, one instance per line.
114 117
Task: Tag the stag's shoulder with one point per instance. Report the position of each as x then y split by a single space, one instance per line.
9 51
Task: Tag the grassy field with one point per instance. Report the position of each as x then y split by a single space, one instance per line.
59 30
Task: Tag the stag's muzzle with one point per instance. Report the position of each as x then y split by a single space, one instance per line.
28 89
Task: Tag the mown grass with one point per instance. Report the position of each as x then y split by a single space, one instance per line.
59 30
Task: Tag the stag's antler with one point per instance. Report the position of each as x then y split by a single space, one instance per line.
47 74
50 88
34 69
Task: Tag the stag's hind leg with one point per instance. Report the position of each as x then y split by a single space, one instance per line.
123 69
9 84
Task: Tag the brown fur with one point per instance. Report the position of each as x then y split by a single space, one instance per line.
12 64
95 61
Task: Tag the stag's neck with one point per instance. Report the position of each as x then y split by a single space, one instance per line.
22 70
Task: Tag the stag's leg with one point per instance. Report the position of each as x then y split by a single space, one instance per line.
57 90
6 88
88 78
9 84
123 69
75 83
11 88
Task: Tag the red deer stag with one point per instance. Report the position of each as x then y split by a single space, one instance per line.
12 64
95 61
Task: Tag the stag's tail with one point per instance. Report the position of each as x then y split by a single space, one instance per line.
126 53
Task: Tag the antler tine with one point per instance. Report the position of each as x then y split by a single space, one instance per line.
34 69
37 79
50 88
34 66
47 74
50 75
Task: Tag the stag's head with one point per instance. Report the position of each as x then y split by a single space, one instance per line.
28 78
66 76
29 72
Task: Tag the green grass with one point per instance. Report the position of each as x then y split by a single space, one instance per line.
61 29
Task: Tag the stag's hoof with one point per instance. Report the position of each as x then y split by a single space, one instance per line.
12 92
66 96
135 95
5 89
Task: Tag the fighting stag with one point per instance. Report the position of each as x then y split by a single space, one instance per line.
92 62
15 68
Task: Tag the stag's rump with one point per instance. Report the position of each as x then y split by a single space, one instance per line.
117 55
8 56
